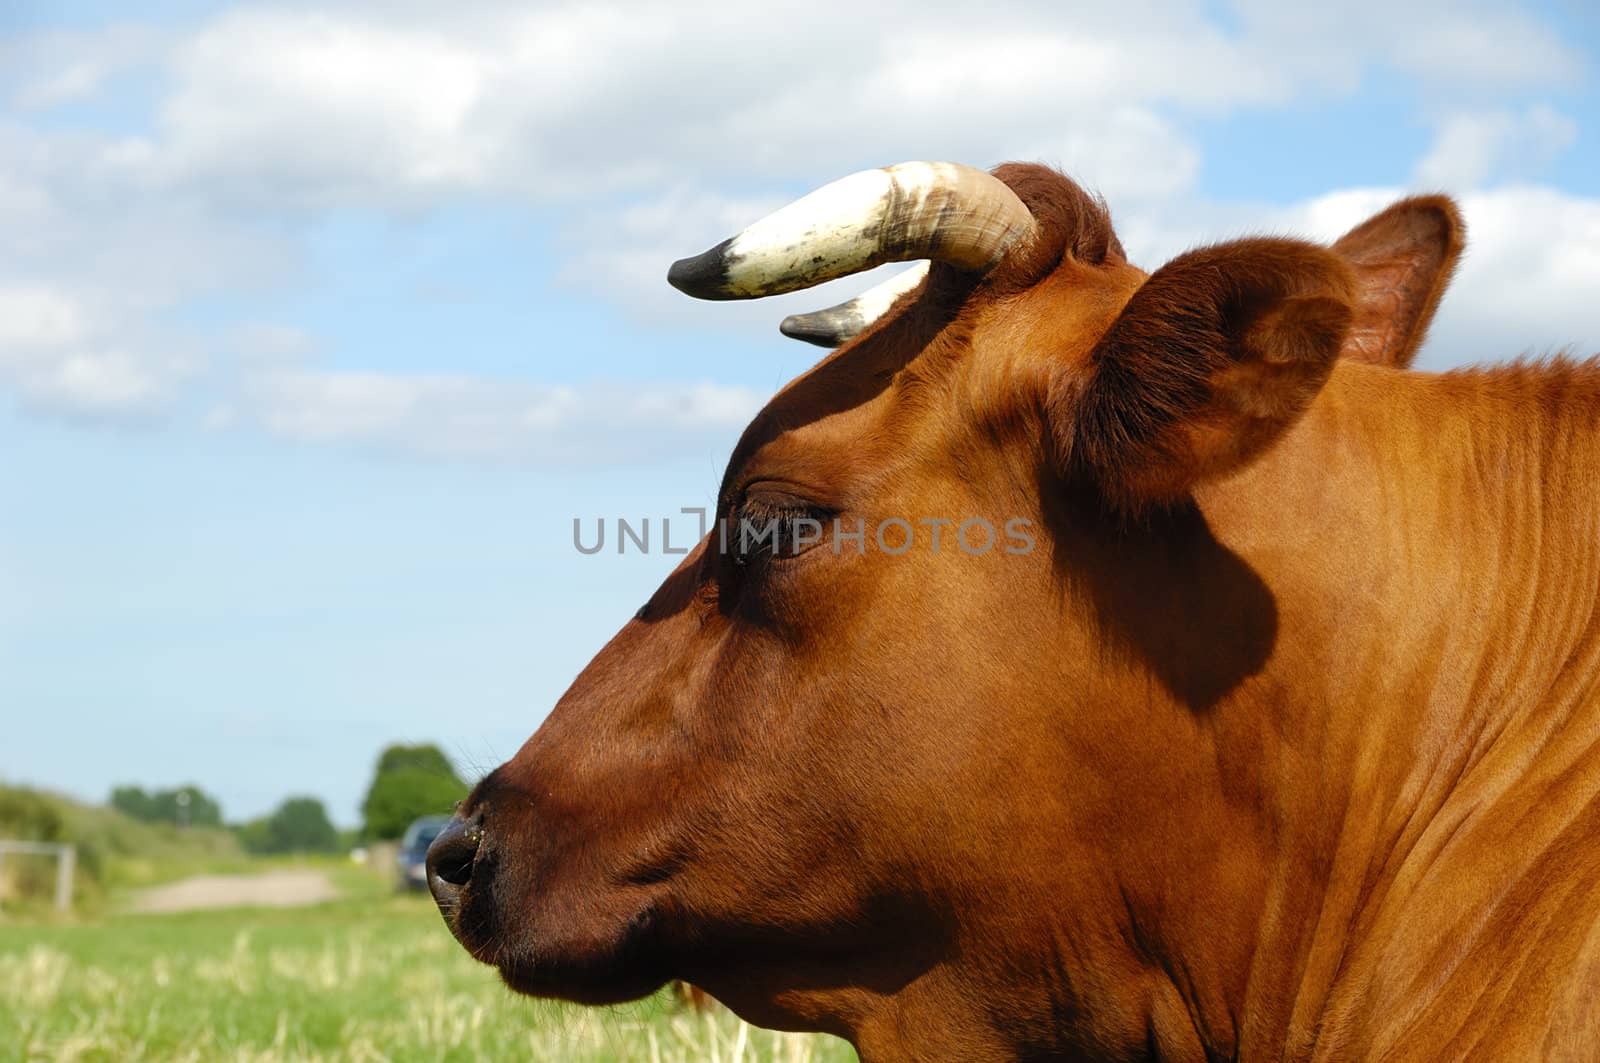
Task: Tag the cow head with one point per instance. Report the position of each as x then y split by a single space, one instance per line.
911 758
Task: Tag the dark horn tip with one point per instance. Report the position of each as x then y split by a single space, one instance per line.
705 276
811 328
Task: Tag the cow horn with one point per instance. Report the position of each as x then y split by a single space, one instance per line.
838 325
938 210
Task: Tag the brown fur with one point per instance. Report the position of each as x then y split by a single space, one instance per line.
1213 357
1301 763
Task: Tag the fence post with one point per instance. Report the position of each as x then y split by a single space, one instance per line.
65 865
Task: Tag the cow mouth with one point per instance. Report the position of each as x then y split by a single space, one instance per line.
541 952
614 979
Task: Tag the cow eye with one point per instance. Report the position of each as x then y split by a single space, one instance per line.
768 524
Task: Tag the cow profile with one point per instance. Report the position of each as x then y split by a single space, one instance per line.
1280 741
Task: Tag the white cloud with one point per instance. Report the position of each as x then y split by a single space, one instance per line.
281 105
35 316
1472 147
285 107
54 359
50 68
94 382
473 418
1484 46
96 259
392 103
626 249
1477 45
1525 285
91 381
271 116
1528 281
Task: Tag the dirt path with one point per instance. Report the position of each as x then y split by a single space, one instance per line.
270 889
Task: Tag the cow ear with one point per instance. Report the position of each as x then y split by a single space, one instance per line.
1403 259
1208 363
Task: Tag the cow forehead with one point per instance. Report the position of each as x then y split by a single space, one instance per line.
867 408
831 455
1056 321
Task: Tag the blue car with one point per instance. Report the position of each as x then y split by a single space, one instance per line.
414 851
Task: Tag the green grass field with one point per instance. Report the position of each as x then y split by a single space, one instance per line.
373 977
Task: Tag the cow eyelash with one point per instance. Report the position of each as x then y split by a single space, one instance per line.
745 535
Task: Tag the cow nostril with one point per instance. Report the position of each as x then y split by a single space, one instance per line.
451 856
458 873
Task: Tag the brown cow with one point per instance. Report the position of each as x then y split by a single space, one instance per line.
1280 742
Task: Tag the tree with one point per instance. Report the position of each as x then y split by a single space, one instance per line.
424 757
410 781
299 825
187 806
255 835
132 801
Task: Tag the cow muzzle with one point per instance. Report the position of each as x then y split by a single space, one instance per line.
451 859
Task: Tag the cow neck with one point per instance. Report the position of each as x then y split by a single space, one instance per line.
1452 631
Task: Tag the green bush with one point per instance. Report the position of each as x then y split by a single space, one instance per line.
113 849
34 817
133 801
185 806
299 825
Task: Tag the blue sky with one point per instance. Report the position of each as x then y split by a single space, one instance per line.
319 323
